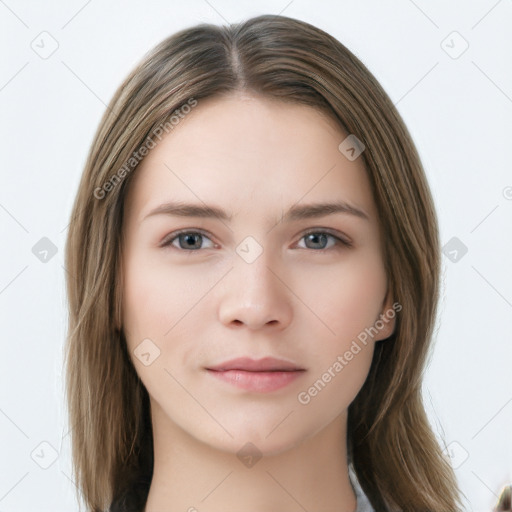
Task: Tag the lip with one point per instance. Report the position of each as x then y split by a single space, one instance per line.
267 364
260 382
261 376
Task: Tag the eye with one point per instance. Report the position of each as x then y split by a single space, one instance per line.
187 240
320 237
191 240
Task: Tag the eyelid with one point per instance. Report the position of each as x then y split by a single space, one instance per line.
342 239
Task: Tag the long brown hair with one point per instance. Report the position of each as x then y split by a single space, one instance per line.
395 454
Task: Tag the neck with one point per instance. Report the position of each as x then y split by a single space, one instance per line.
191 476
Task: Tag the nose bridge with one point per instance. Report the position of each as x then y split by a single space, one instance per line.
254 293
256 267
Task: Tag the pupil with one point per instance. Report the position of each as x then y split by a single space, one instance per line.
315 237
190 238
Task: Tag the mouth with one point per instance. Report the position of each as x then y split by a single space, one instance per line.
261 382
266 364
261 376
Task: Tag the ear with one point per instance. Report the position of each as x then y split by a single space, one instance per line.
385 323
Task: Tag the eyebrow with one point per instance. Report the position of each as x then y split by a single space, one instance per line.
294 213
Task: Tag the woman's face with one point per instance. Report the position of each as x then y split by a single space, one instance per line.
252 282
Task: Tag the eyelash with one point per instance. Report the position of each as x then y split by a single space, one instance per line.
340 242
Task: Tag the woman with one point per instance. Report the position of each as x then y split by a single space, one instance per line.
218 358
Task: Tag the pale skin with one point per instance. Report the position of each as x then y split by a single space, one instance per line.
302 299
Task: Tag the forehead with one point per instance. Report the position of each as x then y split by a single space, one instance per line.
250 153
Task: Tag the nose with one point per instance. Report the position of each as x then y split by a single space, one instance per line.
255 294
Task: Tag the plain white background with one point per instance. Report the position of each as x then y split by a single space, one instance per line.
457 103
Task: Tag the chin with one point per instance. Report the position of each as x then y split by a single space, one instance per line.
258 439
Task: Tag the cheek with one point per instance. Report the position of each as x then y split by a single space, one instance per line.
164 304
155 297
155 303
144 303
346 298
348 302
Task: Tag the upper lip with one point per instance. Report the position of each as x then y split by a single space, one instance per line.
267 364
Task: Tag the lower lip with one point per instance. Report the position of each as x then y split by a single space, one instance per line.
261 382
